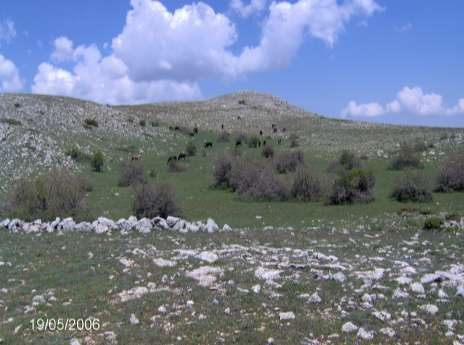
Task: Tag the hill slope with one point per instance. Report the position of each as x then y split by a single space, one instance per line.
36 130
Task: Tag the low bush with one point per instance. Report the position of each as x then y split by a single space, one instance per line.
90 123
306 185
10 121
153 201
406 157
97 161
222 172
131 174
76 154
253 141
56 194
175 167
412 186
451 177
348 160
191 149
223 137
153 173
255 180
142 123
294 140
433 223
288 161
241 137
267 152
356 185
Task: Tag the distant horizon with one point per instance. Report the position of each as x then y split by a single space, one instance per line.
367 120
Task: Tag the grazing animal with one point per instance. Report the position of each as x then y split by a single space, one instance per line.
222 126
275 129
208 144
176 128
136 157
195 129
261 133
264 143
239 117
171 158
279 141
238 143
273 125
181 156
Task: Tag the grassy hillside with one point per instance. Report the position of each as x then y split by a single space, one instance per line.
37 132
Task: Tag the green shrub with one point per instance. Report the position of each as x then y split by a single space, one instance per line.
191 149
142 123
356 185
90 123
433 223
97 161
175 167
412 186
306 185
294 140
132 173
255 180
153 201
267 152
406 157
76 154
451 177
288 161
223 137
55 194
222 171
10 121
152 173
253 141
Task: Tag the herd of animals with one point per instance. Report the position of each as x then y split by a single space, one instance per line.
209 144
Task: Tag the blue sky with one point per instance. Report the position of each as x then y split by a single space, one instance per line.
397 61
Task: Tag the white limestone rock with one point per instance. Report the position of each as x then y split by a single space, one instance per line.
349 327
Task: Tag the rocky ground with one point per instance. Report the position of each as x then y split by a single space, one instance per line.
373 281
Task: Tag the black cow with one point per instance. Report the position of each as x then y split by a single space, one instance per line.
171 158
261 133
264 143
238 143
279 141
222 126
275 129
208 144
181 156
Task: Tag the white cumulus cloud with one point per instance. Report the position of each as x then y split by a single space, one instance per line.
161 54
106 80
410 101
254 6
63 49
10 80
